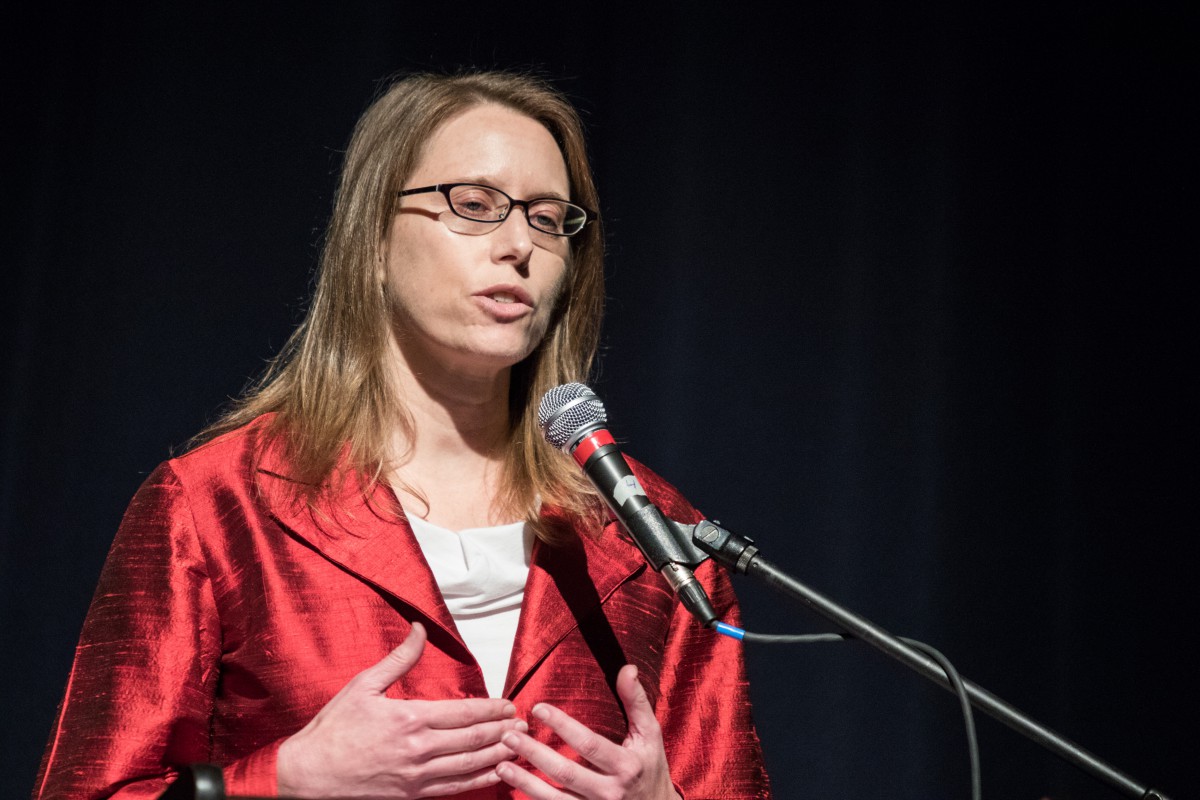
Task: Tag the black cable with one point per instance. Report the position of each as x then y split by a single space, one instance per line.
785 638
951 675
965 701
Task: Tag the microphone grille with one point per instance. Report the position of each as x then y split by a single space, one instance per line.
568 409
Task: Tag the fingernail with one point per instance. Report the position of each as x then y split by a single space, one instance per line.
510 739
522 726
509 709
541 712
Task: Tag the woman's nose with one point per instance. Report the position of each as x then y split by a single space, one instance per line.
513 239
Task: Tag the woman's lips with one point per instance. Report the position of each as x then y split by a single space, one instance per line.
504 302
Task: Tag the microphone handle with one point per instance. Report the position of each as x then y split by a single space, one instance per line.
609 472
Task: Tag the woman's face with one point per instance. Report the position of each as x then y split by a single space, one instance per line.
477 303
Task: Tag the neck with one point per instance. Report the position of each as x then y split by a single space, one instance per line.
448 469
452 409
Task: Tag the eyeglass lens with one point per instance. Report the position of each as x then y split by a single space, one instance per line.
485 204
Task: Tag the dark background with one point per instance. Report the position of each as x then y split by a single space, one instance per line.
906 295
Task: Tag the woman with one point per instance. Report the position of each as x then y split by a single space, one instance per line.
373 578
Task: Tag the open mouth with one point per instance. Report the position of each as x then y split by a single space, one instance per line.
507 295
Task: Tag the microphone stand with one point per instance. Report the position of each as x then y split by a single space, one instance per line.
740 555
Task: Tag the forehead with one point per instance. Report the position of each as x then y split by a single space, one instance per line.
494 144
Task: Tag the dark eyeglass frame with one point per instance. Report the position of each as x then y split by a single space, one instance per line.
445 188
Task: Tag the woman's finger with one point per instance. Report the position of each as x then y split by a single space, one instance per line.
475 737
558 768
468 763
378 677
460 784
636 702
594 748
461 713
525 782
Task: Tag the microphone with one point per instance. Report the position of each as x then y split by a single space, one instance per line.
572 418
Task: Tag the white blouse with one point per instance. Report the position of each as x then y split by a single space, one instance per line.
481 573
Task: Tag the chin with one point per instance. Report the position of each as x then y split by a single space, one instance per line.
507 351
494 359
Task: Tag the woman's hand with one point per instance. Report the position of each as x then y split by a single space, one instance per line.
363 744
636 769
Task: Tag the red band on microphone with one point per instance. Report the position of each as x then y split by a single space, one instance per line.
590 444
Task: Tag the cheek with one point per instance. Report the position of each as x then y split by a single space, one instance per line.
411 301
558 273
410 271
558 281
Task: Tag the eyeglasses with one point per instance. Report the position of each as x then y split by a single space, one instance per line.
477 209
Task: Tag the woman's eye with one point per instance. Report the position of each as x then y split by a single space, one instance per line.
548 216
475 204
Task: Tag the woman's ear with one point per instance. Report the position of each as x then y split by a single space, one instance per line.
381 264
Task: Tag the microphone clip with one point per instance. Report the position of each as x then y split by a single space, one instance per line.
671 542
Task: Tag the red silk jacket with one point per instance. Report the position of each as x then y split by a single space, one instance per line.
228 614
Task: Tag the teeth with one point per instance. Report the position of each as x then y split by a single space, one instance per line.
504 297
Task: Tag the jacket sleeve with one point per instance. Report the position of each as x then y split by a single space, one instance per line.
704 704
141 691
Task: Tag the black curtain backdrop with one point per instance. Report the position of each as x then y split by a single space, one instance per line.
904 294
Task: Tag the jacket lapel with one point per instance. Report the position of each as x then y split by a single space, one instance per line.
365 534
567 584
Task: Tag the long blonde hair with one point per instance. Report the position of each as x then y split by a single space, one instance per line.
335 409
